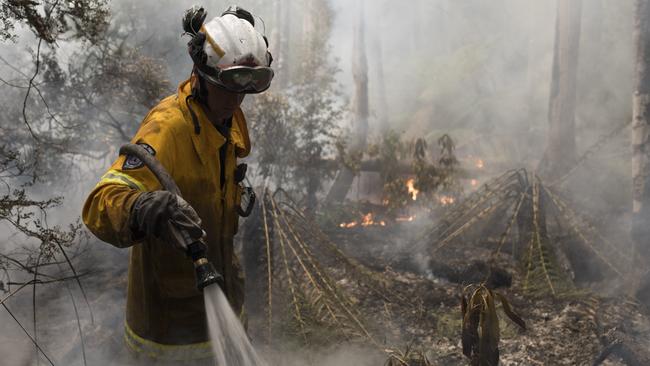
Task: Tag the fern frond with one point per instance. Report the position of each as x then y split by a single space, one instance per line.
292 288
482 214
508 228
536 234
573 223
269 268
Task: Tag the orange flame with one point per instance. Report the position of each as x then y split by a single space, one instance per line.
405 218
366 220
446 200
480 164
410 184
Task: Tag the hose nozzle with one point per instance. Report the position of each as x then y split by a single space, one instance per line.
206 274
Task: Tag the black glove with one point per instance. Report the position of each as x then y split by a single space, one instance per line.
166 216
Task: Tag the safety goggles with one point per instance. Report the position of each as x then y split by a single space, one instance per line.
239 79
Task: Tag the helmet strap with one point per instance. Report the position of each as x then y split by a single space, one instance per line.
199 93
199 89
195 120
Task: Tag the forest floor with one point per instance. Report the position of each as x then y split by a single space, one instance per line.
569 329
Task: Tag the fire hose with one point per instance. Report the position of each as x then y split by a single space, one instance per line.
206 274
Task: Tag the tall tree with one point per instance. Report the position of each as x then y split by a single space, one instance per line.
641 131
287 42
315 108
359 134
360 75
531 11
276 37
380 108
560 154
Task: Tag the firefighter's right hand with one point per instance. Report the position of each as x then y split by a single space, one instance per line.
165 216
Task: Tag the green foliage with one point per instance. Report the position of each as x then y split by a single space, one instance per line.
272 128
389 151
103 94
317 113
396 195
296 130
76 19
393 155
350 159
432 179
295 133
427 176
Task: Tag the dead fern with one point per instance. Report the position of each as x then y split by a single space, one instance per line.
320 308
480 328
407 357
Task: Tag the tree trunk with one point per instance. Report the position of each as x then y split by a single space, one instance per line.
285 56
560 154
443 32
381 108
360 75
641 132
359 137
306 34
275 38
528 111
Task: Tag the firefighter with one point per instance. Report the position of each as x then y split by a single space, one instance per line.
197 134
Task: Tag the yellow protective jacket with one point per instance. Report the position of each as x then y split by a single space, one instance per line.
165 315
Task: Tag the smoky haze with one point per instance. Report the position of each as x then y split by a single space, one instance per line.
478 70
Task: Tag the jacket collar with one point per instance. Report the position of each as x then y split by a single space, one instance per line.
209 140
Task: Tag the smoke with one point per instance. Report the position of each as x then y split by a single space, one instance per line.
478 70
481 70
341 355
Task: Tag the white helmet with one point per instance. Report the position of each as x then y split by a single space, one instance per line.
228 51
233 41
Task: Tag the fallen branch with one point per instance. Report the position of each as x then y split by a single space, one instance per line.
28 335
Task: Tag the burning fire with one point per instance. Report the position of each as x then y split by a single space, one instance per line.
479 163
405 218
446 200
366 220
410 184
